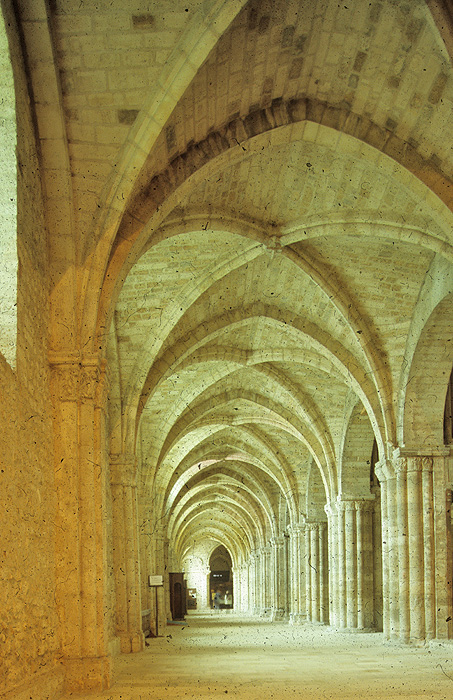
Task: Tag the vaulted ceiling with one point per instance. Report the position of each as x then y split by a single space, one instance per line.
290 235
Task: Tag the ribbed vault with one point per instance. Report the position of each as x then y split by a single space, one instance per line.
269 288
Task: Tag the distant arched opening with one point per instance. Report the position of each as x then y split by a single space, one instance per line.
221 579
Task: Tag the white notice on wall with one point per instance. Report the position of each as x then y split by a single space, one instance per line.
155 580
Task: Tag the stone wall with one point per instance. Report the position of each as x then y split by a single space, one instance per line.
29 665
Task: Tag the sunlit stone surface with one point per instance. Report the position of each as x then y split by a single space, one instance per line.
226 337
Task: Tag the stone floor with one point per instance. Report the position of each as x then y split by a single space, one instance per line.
210 657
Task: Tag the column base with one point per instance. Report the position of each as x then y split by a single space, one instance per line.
88 673
297 619
353 630
131 643
277 615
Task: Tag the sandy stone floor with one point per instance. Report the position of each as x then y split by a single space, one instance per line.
225 655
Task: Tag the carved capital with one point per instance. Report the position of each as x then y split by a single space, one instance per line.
400 465
296 529
341 506
365 505
76 379
384 470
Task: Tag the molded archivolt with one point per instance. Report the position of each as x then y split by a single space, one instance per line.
8 203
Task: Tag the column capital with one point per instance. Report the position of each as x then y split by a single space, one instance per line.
123 469
384 470
365 505
406 461
77 378
315 525
345 504
278 541
295 529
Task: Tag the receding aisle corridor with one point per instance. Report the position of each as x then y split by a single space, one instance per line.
223 654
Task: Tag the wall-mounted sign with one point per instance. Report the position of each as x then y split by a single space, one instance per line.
155 580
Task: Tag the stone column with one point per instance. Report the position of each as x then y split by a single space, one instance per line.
252 602
365 562
79 392
390 549
341 568
323 577
160 568
279 603
442 554
314 570
266 579
297 572
307 571
334 599
350 535
244 584
425 551
415 518
126 552
429 548
353 549
403 549
257 582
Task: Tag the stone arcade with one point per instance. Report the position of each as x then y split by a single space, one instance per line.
226 321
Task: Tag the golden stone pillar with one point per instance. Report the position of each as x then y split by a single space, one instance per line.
79 394
126 558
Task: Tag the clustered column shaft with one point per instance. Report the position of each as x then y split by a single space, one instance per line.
414 506
351 563
126 552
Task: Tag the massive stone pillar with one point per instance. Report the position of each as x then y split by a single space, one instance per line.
417 574
297 573
126 561
351 561
79 391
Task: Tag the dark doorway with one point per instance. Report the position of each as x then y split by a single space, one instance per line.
221 579
177 596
